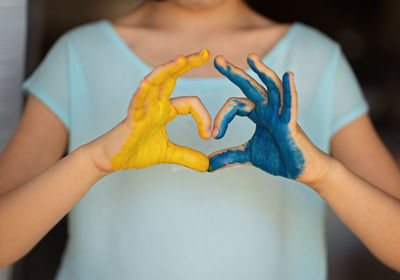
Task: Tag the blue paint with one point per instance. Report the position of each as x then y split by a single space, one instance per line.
252 93
287 96
229 157
272 147
237 108
274 96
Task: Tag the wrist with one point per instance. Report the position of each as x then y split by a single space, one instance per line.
89 152
329 168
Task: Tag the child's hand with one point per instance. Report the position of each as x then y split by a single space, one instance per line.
141 139
278 145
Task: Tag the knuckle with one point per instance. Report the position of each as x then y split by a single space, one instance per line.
180 59
144 82
232 100
155 71
147 80
195 100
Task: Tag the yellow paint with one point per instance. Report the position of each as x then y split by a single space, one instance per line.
149 112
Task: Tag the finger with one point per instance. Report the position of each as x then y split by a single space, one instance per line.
159 75
238 155
253 90
187 157
193 60
289 108
166 71
166 89
152 98
165 77
138 100
231 108
270 79
193 105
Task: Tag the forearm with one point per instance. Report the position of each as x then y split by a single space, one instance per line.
30 210
373 215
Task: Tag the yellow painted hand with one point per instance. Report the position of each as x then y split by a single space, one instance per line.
141 139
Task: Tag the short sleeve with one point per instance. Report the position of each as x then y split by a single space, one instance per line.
49 82
349 102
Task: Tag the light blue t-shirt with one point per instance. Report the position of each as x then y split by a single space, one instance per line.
167 222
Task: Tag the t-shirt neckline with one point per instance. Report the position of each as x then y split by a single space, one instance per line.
138 62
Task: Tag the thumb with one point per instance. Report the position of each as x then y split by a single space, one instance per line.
187 157
239 155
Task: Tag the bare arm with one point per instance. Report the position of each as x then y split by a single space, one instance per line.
37 189
363 187
48 188
360 149
30 210
39 141
373 215
369 206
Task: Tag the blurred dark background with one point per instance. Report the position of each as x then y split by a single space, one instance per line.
369 33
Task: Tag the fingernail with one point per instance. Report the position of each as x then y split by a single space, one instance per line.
215 132
220 60
181 59
253 57
204 52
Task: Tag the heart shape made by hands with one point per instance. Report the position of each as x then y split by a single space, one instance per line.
278 145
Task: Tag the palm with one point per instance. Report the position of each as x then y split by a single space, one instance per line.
272 147
143 140
146 147
280 154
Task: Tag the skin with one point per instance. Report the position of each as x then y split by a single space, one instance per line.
216 28
38 187
138 141
146 142
286 151
272 147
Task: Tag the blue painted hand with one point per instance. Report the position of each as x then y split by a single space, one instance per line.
278 145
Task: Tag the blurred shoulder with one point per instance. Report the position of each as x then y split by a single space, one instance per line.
311 42
88 32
